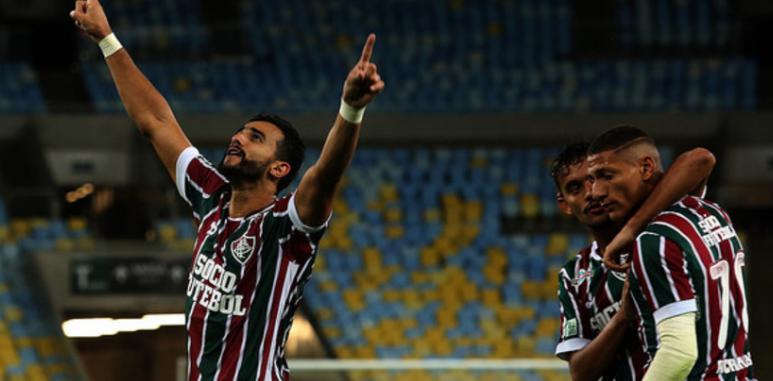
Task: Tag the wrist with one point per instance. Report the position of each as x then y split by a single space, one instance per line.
351 114
109 45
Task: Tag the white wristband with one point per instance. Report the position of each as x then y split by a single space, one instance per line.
110 45
351 114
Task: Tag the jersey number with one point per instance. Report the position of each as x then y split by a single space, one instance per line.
721 271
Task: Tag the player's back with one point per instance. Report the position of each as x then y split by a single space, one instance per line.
689 258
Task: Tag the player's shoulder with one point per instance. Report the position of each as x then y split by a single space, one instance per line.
281 204
686 214
678 217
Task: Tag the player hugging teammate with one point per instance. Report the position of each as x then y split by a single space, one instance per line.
685 316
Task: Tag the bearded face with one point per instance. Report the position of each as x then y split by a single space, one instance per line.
244 171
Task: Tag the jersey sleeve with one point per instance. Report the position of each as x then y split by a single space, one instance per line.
575 333
297 240
198 182
664 282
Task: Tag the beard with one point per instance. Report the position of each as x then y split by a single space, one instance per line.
246 172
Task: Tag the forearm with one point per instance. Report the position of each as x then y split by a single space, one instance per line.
593 360
337 153
314 198
688 172
678 349
144 104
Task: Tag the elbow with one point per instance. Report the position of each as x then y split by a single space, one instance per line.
703 159
577 372
149 125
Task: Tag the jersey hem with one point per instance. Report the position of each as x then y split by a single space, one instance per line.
564 348
296 219
674 309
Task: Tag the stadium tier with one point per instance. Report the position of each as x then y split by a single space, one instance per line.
166 28
32 347
585 86
19 92
668 24
437 56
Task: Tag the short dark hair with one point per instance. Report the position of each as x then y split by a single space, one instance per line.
290 149
619 137
573 153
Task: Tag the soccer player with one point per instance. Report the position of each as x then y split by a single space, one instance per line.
687 278
254 251
596 335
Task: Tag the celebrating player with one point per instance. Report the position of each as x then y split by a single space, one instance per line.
596 335
254 252
687 278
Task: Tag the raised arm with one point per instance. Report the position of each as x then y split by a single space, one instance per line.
314 197
145 105
687 175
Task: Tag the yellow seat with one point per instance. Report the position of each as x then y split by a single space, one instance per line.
549 289
525 346
530 204
429 257
20 228
558 244
35 372
394 231
473 210
372 257
77 223
388 192
64 244
167 232
8 354
547 327
14 313
491 297
531 290
5 234
375 205
354 299
324 313
509 189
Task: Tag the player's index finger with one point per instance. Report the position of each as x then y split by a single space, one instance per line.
367 50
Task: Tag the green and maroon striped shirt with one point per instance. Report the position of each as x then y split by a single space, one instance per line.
689 259
589 296
246 279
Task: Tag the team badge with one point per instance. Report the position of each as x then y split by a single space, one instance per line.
242 248
582 275
570 328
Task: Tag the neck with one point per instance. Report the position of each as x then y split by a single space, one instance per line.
603 235
250 198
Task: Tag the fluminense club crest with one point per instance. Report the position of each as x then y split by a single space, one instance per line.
242 248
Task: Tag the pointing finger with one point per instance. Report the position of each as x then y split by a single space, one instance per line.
367 50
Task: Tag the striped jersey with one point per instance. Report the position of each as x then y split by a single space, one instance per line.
689 258
589 295
246 279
